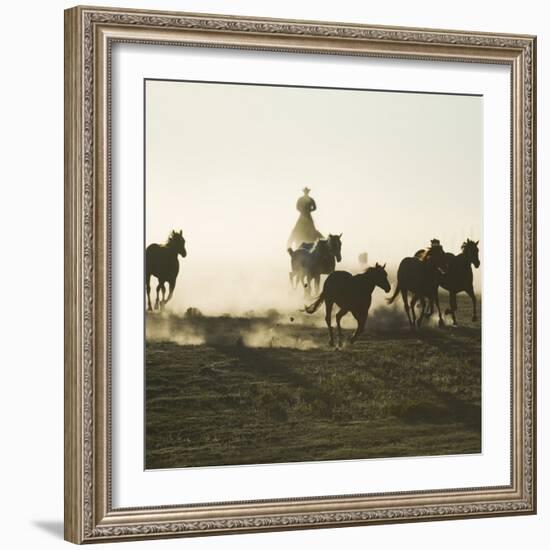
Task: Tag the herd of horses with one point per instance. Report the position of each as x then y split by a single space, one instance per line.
419 276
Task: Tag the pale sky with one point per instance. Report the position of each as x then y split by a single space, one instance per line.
226 163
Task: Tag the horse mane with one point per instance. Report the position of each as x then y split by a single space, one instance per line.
370 270
422 255
171 238
367 274
466 243
321 243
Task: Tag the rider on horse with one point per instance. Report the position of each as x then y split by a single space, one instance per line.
304 231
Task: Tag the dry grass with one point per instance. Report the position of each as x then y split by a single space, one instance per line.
229 390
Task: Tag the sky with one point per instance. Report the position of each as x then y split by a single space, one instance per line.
226 163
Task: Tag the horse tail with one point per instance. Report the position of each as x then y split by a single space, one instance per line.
395 294
312 308
290 251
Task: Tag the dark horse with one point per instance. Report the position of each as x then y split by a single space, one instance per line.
420 275
350 293
161 261
458 276
310 261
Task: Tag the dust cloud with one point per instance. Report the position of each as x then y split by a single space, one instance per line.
271 331
257 309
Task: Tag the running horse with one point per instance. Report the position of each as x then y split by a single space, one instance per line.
310 261
420 275
459 276
350 293
161 261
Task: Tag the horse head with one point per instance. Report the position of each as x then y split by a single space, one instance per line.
380 276
335 246
177 242
471 252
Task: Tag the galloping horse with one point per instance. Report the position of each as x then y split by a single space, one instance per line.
350 293
459 277
310 261
420 275
161 261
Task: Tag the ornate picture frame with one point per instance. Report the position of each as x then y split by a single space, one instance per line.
90 34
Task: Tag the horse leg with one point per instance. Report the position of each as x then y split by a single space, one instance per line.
171 287
328 315
406 303
148 282
423 310
413 305
307 287
422 313
361 318
472 295
163 290
452 307
295 278
339 316
436 299
157 301
430 308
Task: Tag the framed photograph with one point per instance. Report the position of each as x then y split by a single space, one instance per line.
300 274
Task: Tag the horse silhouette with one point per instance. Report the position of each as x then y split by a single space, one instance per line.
310 261
420 275
350 293
161 261
459 277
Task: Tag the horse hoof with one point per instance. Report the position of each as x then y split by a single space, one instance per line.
331 343
441 323
448 311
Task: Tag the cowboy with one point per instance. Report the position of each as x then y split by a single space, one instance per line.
304 231
305 204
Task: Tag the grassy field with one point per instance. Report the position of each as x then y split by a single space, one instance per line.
252 390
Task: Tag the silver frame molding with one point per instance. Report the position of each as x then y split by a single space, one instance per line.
89 35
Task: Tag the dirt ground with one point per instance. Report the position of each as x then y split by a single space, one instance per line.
266 388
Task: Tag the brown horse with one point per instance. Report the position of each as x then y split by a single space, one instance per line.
458 276
420 275
161 261
310 261
350 293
